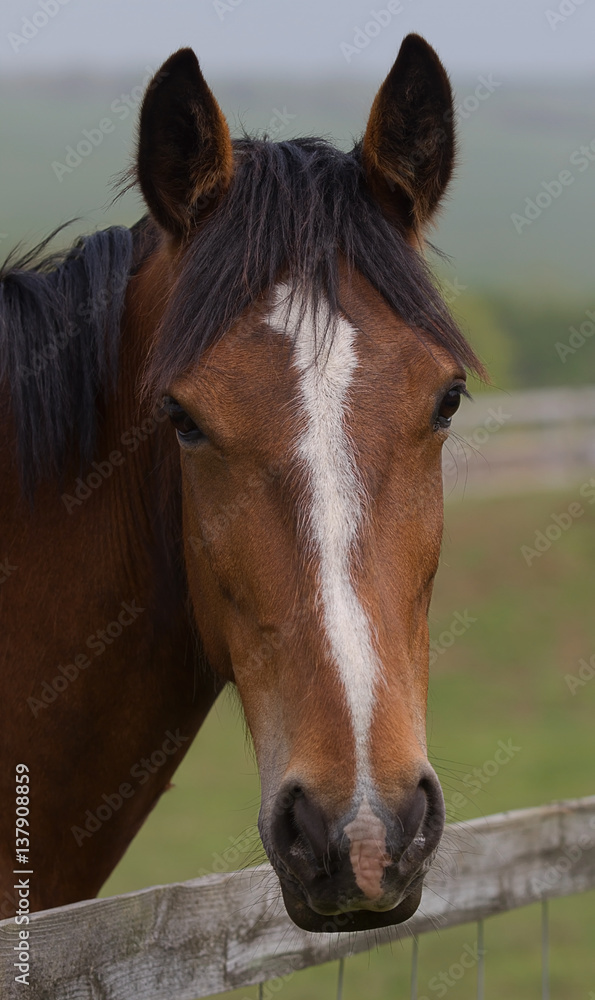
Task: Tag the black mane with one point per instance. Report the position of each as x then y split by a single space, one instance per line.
292 209
59 340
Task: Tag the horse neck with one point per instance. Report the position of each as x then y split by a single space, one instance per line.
137 443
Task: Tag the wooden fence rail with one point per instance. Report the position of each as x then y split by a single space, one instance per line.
533 440
198 938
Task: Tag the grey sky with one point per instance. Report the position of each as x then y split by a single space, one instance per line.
299 37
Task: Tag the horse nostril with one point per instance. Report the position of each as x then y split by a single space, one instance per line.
432 827
410 818
299 824
310 821
420 820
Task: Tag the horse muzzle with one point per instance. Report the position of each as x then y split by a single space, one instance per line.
362 871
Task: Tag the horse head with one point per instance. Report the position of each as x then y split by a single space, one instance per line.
311 371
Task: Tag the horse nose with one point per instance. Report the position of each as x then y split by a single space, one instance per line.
389 846
421 820
373 850
301 826
432 827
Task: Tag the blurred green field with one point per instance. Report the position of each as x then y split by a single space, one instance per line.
504 679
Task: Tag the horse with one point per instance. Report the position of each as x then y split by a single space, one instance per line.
221 442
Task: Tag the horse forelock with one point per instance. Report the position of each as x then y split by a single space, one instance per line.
294 211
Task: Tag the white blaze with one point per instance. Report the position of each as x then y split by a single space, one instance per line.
336 508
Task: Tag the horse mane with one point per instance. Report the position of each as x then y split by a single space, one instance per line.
60 316
292 209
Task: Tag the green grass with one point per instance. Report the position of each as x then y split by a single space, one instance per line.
502 680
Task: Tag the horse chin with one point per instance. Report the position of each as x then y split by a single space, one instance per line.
353 920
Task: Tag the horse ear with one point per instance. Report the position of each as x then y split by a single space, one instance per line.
409 145
184 158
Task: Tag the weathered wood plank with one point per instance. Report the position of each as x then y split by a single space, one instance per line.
194 939
558 406
521 442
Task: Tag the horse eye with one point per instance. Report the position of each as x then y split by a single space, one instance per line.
449 406
185 426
